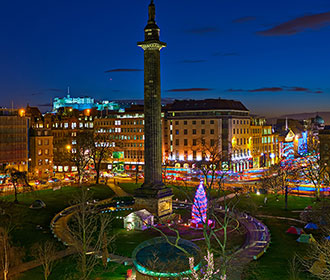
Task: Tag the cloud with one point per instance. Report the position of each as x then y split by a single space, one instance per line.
188 89
298 25
192 61
123 70
276 89
298 89
270 89
244 19
235 90
203 30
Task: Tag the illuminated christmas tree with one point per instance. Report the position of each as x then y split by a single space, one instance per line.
199 208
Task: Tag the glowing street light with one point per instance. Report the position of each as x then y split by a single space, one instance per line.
21 112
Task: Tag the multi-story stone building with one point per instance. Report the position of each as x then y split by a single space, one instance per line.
40 144
265 144
220 122
125 132
13 139
41 153
65 126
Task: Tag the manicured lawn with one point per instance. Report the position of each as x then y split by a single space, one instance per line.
274 264
255 205
25 232
66 268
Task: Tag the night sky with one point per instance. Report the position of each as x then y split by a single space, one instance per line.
272 55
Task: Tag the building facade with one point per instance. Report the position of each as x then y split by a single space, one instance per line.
13 139
210 122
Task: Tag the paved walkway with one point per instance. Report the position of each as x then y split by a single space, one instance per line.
33 264
117 189
256 244
282 218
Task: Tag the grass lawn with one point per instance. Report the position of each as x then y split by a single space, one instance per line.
274 264
66 268
25 219
255 205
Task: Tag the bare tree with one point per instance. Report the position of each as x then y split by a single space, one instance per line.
318 260
18 178
315 171
215 167
89 230
277 180
10 256
44 254
79 154
100 149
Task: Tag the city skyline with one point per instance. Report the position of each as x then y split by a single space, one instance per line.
272 57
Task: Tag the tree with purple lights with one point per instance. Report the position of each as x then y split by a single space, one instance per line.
199 208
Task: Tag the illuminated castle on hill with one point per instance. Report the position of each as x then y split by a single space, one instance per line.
83 103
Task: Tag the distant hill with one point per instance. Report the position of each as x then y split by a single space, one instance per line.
302 116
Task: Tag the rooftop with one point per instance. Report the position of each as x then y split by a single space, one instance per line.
206 104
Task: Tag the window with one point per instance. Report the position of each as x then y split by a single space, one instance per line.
46 142
212 131
211 121
194 131
194 155
185 142
176 122
39 152
46 151
202 122
193 122
185 131
203 131
185 122
194 142
39 142
233 121
177 132
177 142
212 142
233 130
40 162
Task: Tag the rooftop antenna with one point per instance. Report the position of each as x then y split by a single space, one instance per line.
68 92
286 124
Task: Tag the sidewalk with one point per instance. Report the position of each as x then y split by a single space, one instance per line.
118 190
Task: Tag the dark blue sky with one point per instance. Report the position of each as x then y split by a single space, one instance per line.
273 55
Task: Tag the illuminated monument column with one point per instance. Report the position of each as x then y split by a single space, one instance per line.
153 195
